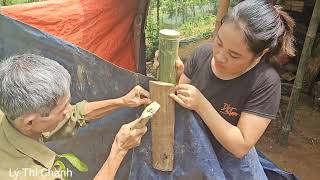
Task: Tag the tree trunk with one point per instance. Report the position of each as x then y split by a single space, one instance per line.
305 56
313 67
158 17
222 11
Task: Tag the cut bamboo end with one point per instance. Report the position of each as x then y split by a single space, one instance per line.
169 33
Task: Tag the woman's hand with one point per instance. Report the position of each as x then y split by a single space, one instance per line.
179 65
188 96
136 97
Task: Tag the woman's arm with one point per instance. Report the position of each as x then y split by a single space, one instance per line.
184 79
236 139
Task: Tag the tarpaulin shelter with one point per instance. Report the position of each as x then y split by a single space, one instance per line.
113 30
96 79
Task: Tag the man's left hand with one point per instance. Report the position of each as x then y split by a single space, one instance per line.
136 97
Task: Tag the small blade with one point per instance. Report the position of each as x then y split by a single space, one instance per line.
146 115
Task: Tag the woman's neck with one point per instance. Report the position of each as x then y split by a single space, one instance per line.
224 76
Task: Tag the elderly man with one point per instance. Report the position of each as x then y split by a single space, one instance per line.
35 101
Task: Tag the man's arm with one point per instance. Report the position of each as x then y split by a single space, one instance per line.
87 111
125 140
136 97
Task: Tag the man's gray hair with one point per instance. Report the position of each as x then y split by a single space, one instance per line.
31 84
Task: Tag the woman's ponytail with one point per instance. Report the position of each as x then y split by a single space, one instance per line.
286 38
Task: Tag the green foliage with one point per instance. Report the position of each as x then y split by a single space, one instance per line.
189 17
61 167
76 162
12 2
152 40
195 27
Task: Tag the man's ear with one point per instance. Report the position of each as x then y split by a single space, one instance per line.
25 122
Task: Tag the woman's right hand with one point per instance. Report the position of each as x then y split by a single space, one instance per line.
179 65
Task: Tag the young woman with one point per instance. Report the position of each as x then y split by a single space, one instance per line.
231 86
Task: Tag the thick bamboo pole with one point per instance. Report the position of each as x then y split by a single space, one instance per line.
163 122
162 126
222 11
306 52
168 49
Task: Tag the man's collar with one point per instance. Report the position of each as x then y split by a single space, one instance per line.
28 146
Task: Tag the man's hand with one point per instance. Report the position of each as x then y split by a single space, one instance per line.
127 139
188 96
136 97
179 64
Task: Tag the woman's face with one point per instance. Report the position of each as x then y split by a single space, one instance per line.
231 54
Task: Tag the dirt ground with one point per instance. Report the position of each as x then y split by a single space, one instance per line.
302 156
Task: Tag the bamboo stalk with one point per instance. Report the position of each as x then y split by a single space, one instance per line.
222 11
306 53
163 122
168 49
162 126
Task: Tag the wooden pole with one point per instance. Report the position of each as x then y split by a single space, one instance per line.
162 125
305 55
222 11
168 49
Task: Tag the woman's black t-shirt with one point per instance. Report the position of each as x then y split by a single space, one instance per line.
258 91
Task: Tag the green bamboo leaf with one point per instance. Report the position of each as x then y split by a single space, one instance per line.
76 162
62 168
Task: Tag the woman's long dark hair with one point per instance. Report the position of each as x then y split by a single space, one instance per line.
265 26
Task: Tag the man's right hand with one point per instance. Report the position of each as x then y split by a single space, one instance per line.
127 139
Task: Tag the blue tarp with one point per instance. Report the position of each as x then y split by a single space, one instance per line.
197 154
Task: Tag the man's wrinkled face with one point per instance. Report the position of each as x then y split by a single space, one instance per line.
58 114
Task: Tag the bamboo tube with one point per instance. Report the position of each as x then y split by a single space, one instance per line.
162 126
163 122
168 49
222 11
306 53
